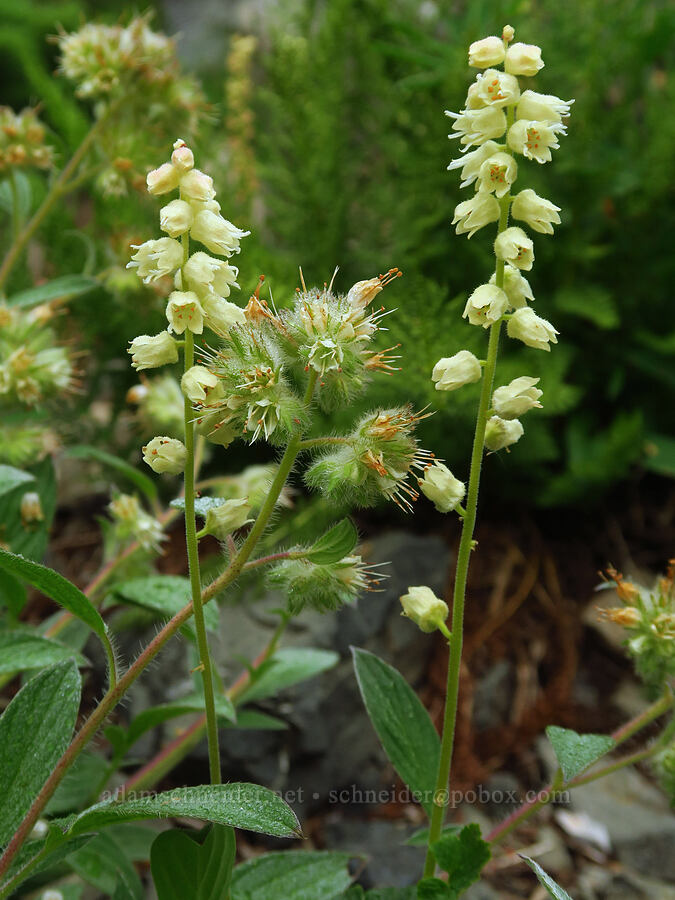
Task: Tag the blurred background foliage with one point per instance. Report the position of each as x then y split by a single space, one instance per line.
327 128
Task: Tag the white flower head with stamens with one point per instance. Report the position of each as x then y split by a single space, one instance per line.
475 126
216 233
531 329
498 173
516 286
471 162
480 210
165 455
497 88
486 305
515 247
204 271
538 212
221 315
535 140
197 185
154 259
515 399
184 311
453 372
542 107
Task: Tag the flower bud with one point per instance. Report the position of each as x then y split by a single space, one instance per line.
165 455
487 52
515 247
534 140
486 305
163 179
453 372
425 609
363 292
225 519
182 157
131 522
185 311
175 218
542 107
539 213
515 399
31 509
471 215
154 259
149 352
532 330
497 88
197 382
498 173
52 895
471 162
196 185
221 315
441 487
516 287
216 233
523 59
508 33
476 126
500 433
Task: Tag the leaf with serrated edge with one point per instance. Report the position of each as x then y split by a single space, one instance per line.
433 889
293 875
463 857
576 752
546 881
401 722
334 545
247 806
35 729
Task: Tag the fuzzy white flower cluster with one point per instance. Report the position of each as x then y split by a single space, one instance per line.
202 281
501 122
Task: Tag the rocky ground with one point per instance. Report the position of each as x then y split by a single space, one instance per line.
536 653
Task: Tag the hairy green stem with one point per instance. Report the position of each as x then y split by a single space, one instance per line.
59 188
177 749
116 692
205 662
461 573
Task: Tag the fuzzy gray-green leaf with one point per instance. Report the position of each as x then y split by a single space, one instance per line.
577 752
247 806
334 545
35 729
401 722
296 875
546 881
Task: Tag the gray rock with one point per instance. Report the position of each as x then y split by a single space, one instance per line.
640 824
493 695
390 862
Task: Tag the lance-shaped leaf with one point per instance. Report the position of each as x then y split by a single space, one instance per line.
546 881
165 595
11 478
287 667
577 752
247 806
35 729
295 875
334 545
21 650
155 715
401 722
64 288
